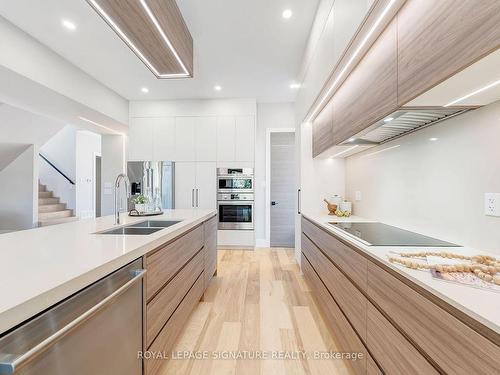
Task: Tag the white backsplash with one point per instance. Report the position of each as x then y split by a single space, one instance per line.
436 186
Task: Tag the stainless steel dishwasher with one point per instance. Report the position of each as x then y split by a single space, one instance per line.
96 331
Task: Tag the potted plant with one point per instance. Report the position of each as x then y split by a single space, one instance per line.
140 203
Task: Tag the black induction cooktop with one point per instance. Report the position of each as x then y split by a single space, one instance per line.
378 234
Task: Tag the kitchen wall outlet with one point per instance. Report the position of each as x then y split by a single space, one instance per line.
492 204
358 196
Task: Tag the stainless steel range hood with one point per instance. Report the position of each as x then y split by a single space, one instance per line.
402 122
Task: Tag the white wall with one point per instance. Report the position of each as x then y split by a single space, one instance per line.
60 151
88 145
269 115
113 151
24 55
19 192
20 126
436 188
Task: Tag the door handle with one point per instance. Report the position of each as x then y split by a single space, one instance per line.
197 197
298 201
192 197
273 203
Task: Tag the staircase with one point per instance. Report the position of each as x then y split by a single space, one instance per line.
50 210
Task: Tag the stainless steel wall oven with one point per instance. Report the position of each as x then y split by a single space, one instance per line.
235 198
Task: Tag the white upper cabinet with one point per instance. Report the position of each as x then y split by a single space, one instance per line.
140 139
244 138
163 138
206 185
206 138
225 139
185 142
192 138
185 184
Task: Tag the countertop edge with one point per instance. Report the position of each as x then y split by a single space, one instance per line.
451 303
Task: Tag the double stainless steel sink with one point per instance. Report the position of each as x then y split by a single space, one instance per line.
142 228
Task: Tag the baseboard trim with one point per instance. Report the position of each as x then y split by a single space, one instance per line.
262 242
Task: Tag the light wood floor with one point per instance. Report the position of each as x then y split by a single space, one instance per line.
258 302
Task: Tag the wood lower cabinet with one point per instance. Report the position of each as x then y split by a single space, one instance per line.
341 329
402 328
437 39
177 275
164 263
455 347
210 228
351 263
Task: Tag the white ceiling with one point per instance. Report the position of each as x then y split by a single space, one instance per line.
243 45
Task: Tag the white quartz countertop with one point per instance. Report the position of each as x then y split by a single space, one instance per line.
481 304
42 266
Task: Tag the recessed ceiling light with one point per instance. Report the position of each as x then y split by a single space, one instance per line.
388 119
145 90
433 139
287 13
294 85
69 25
351 139
217 88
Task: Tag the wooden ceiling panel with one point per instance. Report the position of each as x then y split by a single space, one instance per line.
154 30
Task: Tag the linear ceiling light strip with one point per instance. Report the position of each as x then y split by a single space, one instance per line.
165 38
351 59
97 124
473 93
124 36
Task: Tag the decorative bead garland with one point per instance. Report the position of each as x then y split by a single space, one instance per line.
483 266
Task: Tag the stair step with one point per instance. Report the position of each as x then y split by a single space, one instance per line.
52 207
54 215
42 187
44 201
45 194
46 223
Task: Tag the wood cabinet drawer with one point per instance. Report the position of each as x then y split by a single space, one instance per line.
372 368
453 346
210 228
342 331
166 338
164 263
161 307
394 353
353 264
348 297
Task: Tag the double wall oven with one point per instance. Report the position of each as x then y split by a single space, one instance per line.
235 198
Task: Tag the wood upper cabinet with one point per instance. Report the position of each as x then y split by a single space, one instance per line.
370 91
437 39
322 130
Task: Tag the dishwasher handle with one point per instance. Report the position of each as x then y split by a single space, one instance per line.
10 363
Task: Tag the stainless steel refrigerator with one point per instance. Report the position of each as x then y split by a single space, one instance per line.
150 178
